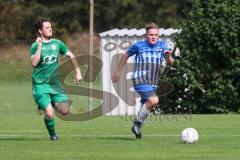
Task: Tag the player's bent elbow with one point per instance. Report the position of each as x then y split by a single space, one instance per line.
33 64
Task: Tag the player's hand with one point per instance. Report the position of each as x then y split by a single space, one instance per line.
170 59
116 77
78 78
167 53
39 41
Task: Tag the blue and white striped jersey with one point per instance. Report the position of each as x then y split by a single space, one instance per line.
148 59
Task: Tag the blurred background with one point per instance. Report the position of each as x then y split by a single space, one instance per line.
71 24
205 76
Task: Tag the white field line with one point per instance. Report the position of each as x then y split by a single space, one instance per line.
111 135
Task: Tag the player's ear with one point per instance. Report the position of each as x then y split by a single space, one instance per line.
39 32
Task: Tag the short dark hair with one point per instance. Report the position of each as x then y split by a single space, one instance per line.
39 24
151 25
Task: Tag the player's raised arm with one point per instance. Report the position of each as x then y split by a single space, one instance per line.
78 76
117 74
36 57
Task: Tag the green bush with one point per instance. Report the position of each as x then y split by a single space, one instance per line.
207 77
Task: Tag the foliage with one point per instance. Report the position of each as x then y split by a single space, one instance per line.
207 77
73 16
10 27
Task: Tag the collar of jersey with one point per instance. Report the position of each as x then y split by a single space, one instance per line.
152 45
48 41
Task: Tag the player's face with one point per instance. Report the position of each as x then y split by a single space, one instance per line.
46 30
152 35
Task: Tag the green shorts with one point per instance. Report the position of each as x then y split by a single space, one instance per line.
43 100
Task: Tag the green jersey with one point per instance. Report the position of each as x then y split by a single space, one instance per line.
45 74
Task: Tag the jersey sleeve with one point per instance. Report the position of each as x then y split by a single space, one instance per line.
33 49
166 47
63 48
132 50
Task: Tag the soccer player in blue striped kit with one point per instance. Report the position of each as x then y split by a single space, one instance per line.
149 55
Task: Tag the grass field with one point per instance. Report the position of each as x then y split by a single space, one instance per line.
23 135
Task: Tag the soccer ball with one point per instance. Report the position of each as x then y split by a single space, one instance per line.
189 135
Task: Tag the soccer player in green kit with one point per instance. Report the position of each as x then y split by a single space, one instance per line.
47 89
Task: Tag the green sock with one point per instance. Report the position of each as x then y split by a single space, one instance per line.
50 125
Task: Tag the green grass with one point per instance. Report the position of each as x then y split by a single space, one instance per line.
23 135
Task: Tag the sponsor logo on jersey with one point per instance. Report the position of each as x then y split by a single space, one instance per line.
54 47
159 49
49 59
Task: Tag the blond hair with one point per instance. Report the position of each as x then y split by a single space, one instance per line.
151 25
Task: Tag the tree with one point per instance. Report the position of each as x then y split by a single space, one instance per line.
11 20
73 16
207 77
136 13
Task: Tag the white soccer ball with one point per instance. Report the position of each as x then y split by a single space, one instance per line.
189 135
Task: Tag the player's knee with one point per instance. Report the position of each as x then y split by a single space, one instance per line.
49 112
49 115
153 101
64 112
63 108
